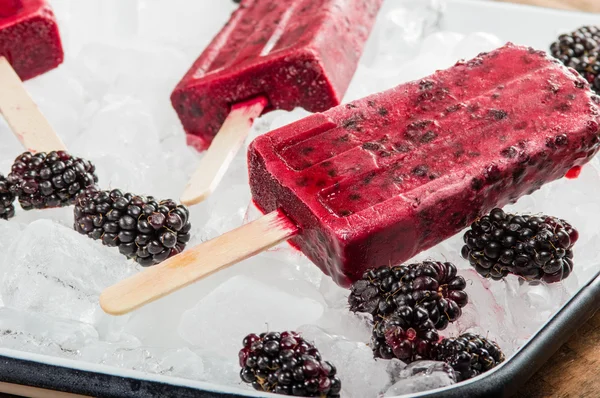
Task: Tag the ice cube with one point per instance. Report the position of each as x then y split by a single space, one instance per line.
44 334
56 271
361 374
95 21
107 352
476 43
240 306
441 43
220 369
9 233
421 376
60 98
402 24
62 215
492 320
164 334
181 362
337 319
191 34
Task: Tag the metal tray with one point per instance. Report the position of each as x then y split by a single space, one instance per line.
520 24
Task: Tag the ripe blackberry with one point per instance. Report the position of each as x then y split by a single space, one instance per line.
144 229
580 51
7 197
53 179
433 285
407 334
469 354
533 247
287 364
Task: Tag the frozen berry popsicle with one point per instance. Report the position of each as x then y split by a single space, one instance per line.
29 46
29 37
270 55
376 181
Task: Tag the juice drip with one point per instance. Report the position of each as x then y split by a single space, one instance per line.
573 173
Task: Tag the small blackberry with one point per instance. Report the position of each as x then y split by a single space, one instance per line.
469 355
580 51
143 229
407 335
285 363
53 179
7 197
433 285
533 247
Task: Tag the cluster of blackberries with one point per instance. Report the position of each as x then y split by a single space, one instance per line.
409 304
580 50
285 363
533 247
144 229
432 285
44 180
469 355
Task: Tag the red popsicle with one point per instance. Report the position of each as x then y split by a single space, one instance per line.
378 180
29 46
29 37
270 55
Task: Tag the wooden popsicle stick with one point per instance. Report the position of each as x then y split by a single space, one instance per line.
22 114
222 150
197 263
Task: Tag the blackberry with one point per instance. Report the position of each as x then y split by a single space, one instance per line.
285 363
580 51
7 197
469 354
433 285
533 247
408 335
144 229
54 179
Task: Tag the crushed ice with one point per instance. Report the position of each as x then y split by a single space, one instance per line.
110 103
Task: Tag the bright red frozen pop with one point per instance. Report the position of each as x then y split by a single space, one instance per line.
378 180
270 55
29 46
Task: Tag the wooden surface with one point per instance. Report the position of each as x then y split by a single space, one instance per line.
573 371
14 390
582 5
